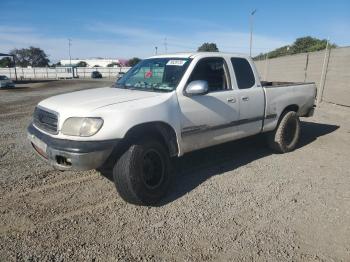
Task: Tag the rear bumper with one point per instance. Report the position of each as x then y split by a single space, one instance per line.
70 154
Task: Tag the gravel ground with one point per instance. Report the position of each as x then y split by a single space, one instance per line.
237 201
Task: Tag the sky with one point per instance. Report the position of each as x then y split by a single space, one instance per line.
125 29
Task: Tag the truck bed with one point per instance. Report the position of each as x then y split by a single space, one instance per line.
299 94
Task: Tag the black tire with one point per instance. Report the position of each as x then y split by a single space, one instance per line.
286 136
142 174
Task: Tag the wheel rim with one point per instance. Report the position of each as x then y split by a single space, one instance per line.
290 131
153 168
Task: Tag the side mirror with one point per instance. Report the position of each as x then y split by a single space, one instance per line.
197 87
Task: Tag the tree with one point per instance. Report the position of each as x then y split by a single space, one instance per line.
208 47
96 66
309 44
133 61
32 56
6 62
82 64
281 51
301 45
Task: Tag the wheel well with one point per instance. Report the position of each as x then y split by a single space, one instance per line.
294 108
159 130
289 108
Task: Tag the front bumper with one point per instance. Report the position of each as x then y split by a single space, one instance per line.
7 85
70 154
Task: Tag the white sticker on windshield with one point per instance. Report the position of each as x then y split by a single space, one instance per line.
176 62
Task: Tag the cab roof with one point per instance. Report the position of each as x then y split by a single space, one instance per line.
199 54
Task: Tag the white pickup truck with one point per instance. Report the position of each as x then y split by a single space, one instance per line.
164 107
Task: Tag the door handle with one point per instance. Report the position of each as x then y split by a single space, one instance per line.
231 100
245 98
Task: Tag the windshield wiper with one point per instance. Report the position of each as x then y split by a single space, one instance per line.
116 85
149 88
160 89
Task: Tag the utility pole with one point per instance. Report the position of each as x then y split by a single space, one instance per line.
251 31
156 47
69 45
324 72
165 45
14 64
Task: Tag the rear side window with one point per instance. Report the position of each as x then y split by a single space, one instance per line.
244 73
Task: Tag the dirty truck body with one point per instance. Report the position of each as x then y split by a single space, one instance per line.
164 107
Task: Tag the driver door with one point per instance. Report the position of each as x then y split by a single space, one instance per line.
209 119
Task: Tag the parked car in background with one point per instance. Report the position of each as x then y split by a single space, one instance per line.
96 74
6 82
164 107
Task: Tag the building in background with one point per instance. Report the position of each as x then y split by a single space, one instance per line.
92 62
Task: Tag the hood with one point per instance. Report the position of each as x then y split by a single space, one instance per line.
91 99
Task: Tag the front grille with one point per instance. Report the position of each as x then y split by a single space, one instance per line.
45 120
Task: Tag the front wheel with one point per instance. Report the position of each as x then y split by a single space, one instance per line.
142 174
286 136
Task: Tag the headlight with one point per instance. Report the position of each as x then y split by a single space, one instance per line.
82 126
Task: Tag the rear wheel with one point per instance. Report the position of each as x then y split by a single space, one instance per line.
142 174
286 136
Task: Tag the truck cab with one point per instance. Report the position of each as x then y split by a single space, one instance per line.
234 98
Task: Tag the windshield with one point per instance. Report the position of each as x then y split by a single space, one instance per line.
155 74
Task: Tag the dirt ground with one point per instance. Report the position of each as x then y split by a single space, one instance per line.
237 201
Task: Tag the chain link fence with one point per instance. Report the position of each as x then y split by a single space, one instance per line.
61 72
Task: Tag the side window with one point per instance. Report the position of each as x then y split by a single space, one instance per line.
212 70
244 73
